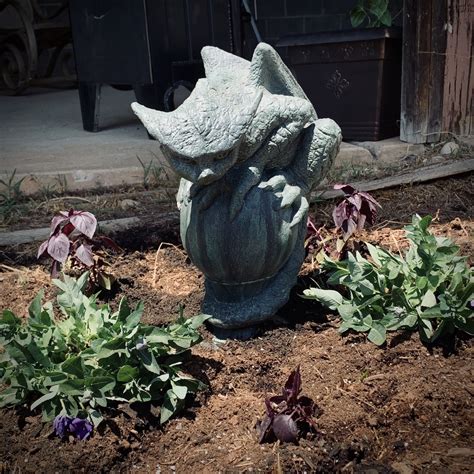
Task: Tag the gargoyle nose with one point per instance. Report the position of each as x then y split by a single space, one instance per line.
206 176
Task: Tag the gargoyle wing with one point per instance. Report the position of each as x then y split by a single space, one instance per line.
268 70
223 67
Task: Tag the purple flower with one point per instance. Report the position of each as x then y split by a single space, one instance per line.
78 427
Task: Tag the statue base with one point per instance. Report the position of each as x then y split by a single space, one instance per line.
238 310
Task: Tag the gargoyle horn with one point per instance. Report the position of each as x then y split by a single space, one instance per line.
154 120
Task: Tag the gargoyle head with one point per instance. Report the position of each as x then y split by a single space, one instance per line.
201 138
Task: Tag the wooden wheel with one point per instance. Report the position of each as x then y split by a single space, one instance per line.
13 70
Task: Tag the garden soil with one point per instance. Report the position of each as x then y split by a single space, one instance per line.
404 407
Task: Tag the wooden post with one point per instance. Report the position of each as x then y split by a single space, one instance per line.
458 107
424 45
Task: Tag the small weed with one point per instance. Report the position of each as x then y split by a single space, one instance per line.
364 374
10 196
62 183
47 191
152 173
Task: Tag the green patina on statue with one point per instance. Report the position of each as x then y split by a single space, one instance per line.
249 148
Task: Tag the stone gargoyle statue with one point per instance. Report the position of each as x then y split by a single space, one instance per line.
249 148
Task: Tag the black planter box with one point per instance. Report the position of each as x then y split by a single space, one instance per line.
353 77
150 45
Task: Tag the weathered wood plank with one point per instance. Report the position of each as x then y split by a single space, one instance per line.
35 235
424 43
459 70
439 12
426 173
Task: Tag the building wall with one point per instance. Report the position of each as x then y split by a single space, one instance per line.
277 18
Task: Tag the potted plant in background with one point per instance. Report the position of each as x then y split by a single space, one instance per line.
354 76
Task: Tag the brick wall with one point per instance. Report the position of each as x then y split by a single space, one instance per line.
277 18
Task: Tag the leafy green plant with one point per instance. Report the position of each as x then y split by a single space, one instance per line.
89 358
375 13
430 289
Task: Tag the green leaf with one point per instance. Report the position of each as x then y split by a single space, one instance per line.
74 366
48 396
124 310
105 281
375 253
432 313
197 321
377 334
179 390
35 309
149 361
467 326
358 16
9 318
11 396
346 310
410 320
95 417
134 318
429 300
330 298
426 330
127 373
421 282
158 336
169 407
102 384
38 356
73 387
386 19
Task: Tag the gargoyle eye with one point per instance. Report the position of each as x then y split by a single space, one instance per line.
219 156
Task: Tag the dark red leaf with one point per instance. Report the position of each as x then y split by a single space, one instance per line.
108 242
84 222
277 399
42 248
85 255
346 188
348 228
55 269
341 213
263 428
285 428
58 247
361 221
369 198
356 200
68 229
307 404
287 415
56 222
293 386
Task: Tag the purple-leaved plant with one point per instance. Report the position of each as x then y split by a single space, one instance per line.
357 208
288 416
72 236
67 425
